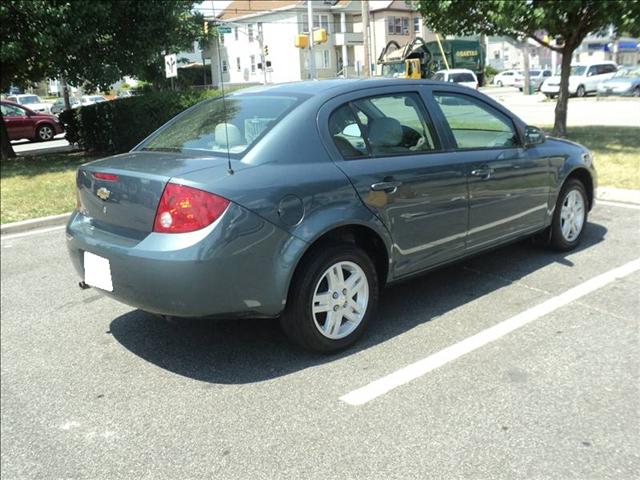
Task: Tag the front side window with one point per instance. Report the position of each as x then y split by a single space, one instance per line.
29 99
11 111
385 125
475 124
214 126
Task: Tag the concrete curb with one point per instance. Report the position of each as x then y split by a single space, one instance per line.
621 195
33 224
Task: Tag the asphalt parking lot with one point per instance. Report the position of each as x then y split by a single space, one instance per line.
93 389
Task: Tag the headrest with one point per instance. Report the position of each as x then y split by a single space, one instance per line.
385 132
230 131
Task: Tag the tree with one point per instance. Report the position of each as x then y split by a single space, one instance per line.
568 21
89 42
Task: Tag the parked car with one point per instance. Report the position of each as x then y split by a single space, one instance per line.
461 76
584 79
32 102
58 105
506 78
302 200
536 77
92 99
626 81
22 122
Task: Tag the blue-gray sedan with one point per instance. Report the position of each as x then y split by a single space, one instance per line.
301 201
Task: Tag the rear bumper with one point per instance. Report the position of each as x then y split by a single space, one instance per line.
236 267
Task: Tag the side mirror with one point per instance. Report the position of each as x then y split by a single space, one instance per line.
533 136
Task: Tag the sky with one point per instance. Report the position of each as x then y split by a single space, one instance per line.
207 6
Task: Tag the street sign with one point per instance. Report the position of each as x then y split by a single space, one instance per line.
170 66
224 29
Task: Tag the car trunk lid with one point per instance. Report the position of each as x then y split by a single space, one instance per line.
120 194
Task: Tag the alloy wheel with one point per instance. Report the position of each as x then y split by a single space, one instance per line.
45 133
572 215
340 300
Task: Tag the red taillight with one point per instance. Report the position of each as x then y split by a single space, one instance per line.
185 209
106 177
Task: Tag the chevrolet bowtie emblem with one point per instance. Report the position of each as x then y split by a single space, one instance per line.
103 193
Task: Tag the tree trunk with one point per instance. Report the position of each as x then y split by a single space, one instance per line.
526 67
65 93
560 124
6 150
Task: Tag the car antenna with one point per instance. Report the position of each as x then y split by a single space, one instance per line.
224 109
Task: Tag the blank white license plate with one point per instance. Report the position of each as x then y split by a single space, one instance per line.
97 272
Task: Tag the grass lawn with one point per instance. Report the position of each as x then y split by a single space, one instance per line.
616 151
37 186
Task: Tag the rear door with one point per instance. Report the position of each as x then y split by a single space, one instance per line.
508 184
386 144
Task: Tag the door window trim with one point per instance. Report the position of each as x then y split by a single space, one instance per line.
490 108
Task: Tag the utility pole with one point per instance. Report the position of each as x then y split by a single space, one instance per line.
365 36
263 58
312 58
525 62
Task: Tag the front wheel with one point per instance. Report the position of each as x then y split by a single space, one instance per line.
570 216
580 92
499 83
636 92
334 294
550 96
44 133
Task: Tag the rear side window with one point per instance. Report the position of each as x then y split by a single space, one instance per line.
475 124
382 126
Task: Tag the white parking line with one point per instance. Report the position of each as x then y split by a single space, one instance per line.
31 233
617 204
415 370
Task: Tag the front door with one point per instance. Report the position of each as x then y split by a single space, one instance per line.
17 121
508 184
393 157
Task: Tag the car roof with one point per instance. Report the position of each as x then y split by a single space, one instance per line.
14 104
456 70
588 64
331 87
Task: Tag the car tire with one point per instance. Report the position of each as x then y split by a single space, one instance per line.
44 133
550 96
499 83
569 216
580 91
321 278
636 92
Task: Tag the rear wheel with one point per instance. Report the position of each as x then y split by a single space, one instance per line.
570 216
499 83
636 92
334 293
550 95
44 133
580 91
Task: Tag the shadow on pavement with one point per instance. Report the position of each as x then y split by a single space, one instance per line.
254 350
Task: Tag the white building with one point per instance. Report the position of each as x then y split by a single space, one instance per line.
260 47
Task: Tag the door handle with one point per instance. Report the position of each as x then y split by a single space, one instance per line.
389 187
484 172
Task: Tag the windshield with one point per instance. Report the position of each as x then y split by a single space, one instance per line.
439 77
628 73
393 69
578 70
28 99
534 73
213 127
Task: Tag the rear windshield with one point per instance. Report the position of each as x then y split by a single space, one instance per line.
461 77
217 126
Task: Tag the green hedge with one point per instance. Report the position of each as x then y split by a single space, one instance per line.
119 125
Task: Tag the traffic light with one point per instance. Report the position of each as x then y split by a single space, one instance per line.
266 50
205 28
